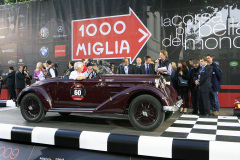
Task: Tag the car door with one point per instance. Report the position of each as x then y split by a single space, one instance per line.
85 94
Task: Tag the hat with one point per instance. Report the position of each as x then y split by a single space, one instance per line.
90 64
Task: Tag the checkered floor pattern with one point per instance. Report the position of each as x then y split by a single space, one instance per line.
213 128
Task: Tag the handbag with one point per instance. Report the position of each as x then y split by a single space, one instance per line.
182 82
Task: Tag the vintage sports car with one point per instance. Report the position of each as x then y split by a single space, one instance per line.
146 99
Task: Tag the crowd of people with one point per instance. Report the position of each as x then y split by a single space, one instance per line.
199 80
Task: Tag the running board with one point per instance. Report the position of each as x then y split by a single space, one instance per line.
72 110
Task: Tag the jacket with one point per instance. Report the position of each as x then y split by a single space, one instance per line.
193 76
11 78
20 80
216 77
151 69
205 79
185 75
131 69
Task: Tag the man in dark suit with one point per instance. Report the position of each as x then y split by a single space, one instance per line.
20 79
205 85
138 66
125 67
10 82
147 68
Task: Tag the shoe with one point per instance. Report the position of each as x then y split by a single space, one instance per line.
206 115
211 112
195 112
216 113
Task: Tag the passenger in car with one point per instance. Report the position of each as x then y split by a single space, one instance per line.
77 73
90 73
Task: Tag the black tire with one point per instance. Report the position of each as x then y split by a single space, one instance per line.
31 108
64 113
168 114
146 113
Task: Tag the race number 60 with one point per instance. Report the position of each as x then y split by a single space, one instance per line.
77 92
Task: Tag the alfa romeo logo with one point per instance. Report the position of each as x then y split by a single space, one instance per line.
44 52
44 32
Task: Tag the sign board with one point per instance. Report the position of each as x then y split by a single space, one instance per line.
111 37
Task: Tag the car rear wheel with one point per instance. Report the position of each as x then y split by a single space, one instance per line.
31 108
64 113
146 113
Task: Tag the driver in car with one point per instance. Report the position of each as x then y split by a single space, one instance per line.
77 73
90 73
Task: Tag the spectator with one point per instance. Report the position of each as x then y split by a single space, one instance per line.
90 73
29 77
39 73
138 66
112 67
105 68
164 62
204 83
49 69
182 89
84 65
125 68
190 64
90 60
173 80
147 68
216 79
11 83
20 79
55 66
77 73
70 69
193 86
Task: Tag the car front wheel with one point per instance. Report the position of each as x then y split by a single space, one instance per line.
146 113
31 108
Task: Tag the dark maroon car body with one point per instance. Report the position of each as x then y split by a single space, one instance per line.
106 94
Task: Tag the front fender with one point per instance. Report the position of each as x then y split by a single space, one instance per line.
122 99
41 93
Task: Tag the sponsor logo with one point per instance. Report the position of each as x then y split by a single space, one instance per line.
60 29
44 52
12 26
44 32
8 50
233 63
60 50
11 62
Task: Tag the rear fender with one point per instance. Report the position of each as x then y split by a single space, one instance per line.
41 93
121 100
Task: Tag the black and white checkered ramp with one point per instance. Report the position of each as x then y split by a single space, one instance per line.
7 103
165 147
213 128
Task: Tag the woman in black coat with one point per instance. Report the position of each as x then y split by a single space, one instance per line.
182 90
